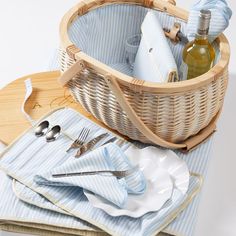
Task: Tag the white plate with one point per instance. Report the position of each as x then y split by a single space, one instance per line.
162 169
159 190
164 159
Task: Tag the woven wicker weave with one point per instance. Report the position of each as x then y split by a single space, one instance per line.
174 115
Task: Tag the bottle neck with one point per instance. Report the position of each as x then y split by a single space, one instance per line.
201 36
203 25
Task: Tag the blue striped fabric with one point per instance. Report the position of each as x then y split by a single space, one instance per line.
111 26
22 213
220 16
184 225
102 33
197 161
12 209
30 155
108 157
26 195
123 67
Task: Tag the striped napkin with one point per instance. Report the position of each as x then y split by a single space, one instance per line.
108 157
220 16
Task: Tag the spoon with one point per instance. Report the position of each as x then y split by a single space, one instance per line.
42 128
53 134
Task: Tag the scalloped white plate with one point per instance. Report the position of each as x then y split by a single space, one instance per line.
164 159
162 169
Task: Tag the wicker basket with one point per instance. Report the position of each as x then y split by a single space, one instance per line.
173 115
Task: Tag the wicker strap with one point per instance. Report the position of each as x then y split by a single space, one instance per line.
188 145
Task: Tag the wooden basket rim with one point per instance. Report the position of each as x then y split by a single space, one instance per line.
160 5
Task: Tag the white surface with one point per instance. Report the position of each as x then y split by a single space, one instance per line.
29 35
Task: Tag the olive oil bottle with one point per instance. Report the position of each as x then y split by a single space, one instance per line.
198 55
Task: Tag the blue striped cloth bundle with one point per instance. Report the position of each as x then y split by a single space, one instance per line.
107 157
30 156
220 16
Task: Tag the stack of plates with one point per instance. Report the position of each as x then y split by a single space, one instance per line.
165 173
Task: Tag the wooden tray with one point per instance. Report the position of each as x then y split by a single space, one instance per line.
47 95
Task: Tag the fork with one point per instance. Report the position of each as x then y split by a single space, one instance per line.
119 174
80 140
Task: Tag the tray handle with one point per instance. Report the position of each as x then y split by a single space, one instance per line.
189 144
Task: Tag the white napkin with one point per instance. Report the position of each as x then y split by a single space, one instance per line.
154 61
108 157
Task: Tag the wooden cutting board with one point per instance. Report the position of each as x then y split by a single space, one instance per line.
47 95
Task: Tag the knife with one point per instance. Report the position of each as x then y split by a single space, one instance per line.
87 146
111 140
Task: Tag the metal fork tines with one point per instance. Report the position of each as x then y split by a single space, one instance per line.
80 140
118 174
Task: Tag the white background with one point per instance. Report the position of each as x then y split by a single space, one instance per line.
28 37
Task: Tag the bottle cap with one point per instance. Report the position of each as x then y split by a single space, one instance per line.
206 14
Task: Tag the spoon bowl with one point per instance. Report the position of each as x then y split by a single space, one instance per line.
53 134
42 128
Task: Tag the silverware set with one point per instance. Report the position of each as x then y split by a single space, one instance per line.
88 146
51 134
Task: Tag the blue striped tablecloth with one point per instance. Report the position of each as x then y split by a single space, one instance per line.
183 225
19 169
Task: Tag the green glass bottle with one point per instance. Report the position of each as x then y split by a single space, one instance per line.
198 55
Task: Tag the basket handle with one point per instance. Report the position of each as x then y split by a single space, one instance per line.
188 144
111 81
173 2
